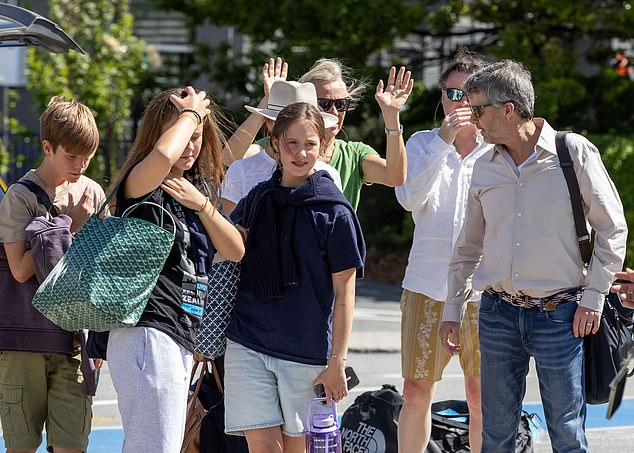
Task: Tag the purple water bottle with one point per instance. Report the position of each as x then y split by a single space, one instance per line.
323 435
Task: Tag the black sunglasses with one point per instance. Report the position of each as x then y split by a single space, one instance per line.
341 105
454 94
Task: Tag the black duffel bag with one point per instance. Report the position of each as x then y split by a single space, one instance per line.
450 429
212 429
369 425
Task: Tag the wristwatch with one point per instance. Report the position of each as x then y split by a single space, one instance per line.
398 131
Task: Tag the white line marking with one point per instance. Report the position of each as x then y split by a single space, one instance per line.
105 403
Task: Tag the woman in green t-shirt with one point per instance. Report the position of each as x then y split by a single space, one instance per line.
357 162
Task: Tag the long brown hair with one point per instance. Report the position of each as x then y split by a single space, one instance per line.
208 167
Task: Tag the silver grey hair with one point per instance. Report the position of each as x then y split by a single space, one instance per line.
505 81
331 70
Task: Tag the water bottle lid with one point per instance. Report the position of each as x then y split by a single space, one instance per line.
323 420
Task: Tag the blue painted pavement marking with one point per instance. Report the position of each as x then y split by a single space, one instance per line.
595 418
111 440
99 441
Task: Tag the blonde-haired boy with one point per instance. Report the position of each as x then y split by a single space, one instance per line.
40 377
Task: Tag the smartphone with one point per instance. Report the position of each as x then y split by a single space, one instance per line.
351 380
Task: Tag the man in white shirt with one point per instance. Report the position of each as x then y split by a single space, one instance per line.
519 246
440 162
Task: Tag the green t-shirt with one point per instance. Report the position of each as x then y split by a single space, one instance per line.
347 158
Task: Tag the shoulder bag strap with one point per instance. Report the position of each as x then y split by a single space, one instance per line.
575 196
214 371
203 370
41 195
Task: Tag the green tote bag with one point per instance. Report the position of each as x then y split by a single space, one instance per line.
104 280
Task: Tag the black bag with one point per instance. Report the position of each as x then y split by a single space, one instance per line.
606 350
212 431
450 429
369 425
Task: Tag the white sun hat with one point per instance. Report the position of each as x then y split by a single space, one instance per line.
285 93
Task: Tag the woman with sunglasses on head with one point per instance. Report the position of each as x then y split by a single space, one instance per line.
356 162
440 162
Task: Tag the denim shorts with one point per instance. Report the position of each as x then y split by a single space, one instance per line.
263 391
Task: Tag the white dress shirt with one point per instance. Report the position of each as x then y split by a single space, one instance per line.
435 192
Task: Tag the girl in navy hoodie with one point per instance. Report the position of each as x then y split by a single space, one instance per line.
293 316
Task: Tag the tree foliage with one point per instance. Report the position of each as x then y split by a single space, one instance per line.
104 79
569 46
345 28
354 31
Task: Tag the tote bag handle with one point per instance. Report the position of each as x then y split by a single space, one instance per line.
128 211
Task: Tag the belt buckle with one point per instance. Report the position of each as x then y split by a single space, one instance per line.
550 306
525 298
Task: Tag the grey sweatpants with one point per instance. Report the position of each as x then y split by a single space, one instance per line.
150 373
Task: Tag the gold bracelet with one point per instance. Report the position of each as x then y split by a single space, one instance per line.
202 208
335 356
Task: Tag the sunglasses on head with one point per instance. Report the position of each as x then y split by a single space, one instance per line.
341 105
454 94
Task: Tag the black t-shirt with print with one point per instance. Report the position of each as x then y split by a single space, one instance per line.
163 310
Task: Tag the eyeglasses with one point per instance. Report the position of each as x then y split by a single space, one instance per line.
476 110
341 105
454 94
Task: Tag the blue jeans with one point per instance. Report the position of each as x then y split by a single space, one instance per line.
509 336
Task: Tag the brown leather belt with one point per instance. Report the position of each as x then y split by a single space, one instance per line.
550 303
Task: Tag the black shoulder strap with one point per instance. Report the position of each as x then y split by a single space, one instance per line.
575 196
42 196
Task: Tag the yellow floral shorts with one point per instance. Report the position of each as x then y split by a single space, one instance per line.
422 354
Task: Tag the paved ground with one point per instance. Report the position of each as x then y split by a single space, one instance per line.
375 355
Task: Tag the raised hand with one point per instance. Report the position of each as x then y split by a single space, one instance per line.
394 95
453 122
192 100
81 211
273 71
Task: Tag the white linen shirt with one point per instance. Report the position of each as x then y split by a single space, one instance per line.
519 233
435 192
244 174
